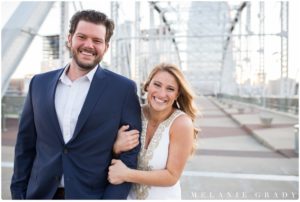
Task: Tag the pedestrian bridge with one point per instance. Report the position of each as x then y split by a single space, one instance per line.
239 57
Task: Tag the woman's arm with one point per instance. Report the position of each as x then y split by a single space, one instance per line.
181 142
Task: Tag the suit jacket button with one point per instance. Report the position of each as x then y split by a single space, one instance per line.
66 150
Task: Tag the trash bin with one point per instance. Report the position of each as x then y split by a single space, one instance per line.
296 129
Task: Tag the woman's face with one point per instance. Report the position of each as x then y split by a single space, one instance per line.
162 91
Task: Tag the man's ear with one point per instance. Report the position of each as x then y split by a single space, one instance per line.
69 42
107 46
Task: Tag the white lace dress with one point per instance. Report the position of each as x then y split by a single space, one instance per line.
155 158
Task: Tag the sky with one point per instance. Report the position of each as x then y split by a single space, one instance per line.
51 26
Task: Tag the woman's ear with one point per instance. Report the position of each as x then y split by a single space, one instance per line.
146 87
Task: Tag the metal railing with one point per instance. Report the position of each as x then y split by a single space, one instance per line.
12 106
287 105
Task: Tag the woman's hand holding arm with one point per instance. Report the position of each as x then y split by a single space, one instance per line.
126 140
117 172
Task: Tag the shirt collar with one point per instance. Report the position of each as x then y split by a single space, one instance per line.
65 79
91 73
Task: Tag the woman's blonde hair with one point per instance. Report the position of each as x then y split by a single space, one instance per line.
185 99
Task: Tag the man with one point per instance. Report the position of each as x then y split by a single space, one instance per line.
70 121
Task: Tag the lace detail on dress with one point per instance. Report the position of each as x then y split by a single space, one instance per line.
145 155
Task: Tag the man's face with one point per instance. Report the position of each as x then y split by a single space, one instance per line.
87 44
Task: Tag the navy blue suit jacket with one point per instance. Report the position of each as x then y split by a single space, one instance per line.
41 156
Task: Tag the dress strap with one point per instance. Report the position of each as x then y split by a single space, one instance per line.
173 116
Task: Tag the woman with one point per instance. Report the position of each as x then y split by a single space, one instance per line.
167 138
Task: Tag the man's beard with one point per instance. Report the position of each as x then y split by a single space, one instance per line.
86 66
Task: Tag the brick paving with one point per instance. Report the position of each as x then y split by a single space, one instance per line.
228 142
239 153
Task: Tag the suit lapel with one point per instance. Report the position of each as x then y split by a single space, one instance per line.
97 86
51 99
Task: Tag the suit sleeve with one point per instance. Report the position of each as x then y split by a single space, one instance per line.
131 115
24 150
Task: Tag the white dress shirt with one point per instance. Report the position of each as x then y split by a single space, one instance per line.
69 99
